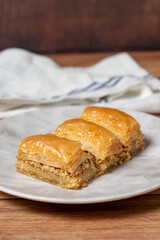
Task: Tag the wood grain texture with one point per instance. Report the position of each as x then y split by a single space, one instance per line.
136 218
49 26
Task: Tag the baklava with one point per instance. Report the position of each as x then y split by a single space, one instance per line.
96 140
55 160
125 127
81 149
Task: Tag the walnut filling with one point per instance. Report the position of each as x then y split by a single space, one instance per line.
97 166
89 163
110 161
136 146
84 173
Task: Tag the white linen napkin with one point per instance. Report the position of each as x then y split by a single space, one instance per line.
29 81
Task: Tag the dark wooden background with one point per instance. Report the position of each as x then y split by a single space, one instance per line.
55 26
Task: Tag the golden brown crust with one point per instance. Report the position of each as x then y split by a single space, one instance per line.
125 127
52 150
94 138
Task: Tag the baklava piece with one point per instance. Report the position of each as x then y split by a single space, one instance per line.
55 160
125 127
96 140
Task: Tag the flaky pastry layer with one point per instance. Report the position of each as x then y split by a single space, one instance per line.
49 149
84 173
124 126
88 170
94 138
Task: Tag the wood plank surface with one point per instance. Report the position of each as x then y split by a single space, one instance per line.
130 219
49 26
136 218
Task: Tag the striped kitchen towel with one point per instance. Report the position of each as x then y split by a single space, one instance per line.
29 81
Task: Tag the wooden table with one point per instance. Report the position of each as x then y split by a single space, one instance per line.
135 218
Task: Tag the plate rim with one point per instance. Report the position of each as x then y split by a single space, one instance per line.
80 200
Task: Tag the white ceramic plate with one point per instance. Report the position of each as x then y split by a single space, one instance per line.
138 176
